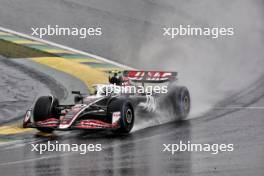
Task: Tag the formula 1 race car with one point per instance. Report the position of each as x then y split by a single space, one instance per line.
112 106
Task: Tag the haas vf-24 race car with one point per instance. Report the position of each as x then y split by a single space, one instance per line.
107 108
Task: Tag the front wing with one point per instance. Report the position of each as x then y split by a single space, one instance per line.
54 123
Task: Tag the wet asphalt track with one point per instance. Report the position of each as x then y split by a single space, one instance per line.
139 153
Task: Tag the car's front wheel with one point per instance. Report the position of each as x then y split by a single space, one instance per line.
44 108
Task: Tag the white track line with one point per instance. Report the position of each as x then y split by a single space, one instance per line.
237 107
66 48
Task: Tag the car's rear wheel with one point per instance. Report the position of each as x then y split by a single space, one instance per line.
45 107
127 118
181 102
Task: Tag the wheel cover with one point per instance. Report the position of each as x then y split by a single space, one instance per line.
129 116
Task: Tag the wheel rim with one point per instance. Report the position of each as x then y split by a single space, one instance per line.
129 116
186 103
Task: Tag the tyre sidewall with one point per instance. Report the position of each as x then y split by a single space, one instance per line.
122 106
178 101
127 127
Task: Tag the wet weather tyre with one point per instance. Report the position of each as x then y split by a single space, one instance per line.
43 109
127 118
181 102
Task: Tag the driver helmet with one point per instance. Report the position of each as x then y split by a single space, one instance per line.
115 79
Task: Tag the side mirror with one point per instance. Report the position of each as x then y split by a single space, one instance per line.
76 92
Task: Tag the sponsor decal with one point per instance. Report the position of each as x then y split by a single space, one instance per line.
150 104
115 117
149 76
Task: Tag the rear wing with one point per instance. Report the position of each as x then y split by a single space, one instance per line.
149 76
